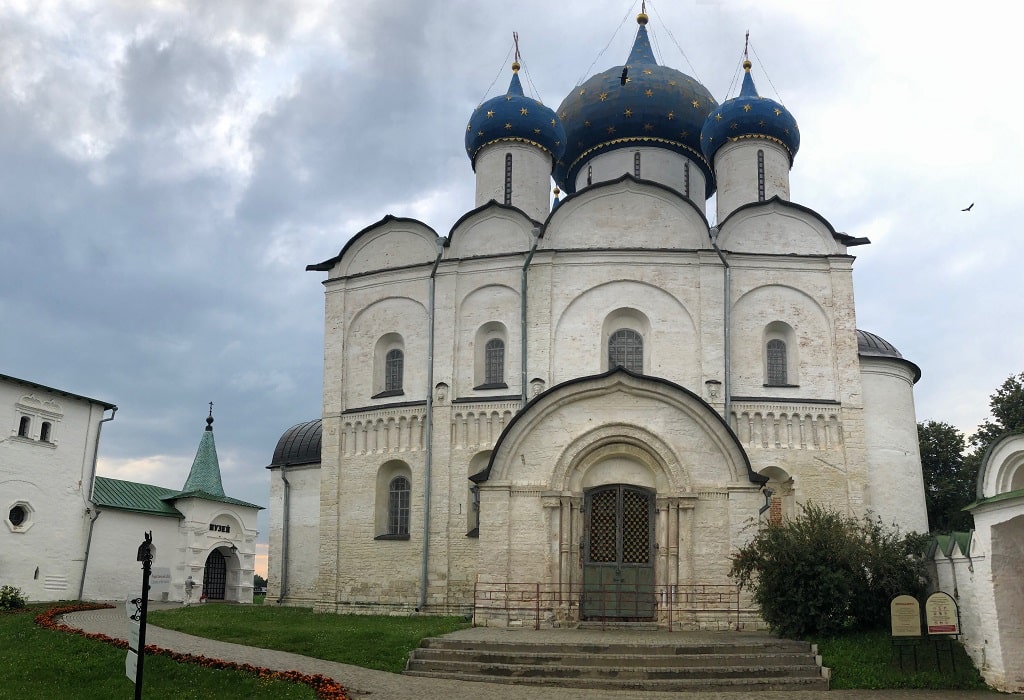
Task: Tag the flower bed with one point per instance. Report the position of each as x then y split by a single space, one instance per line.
326 688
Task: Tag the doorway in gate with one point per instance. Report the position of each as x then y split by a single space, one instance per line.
618 553
215 576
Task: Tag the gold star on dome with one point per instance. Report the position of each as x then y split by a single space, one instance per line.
603 96
586 122
629 80
777 111
553 121
671 116
467 128
508 126
648 127
761 123
718 117
611 129
480 133
583 91
746 108
648 71
558 143
563 115
672 83
649 92
536 131
734 125
523 111
684 134
490 113
628 113
508 98
786 132
696 104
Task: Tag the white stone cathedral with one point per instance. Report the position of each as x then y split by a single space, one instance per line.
579 411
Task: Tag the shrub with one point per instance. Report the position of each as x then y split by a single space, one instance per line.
822 573
11 598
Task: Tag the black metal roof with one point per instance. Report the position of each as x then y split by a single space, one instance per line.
300 444
871 345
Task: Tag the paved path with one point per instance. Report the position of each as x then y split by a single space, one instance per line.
365 684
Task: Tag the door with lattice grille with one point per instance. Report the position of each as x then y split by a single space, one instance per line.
215 576
618 553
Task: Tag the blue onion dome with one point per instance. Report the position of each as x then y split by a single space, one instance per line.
638 104
750 116
514 117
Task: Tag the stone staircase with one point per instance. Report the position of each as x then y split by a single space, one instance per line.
674 664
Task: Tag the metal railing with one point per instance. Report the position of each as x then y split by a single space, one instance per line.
533 604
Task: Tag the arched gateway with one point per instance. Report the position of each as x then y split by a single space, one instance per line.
645 503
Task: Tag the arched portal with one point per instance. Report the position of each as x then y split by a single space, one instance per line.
215 576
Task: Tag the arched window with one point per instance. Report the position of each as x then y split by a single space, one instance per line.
393 367
777 374
626 349
23 426
494 361
44 431
398 506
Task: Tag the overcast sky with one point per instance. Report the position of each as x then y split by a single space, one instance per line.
168 169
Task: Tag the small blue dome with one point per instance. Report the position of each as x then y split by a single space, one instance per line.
514 117
639 104
749 116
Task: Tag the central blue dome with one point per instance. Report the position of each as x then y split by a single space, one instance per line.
639 104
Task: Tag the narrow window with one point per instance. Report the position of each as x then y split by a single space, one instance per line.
508 178
393 363
626 349
686 179
23 426
44 432
636 164
398 506
760 176
777 374
494 361
590 174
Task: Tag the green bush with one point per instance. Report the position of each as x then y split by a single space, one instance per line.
11 598
823 573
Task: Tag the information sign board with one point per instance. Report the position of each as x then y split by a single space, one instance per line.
941 614
905 616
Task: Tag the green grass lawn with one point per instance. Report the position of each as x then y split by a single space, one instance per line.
372 641
44 663
867 660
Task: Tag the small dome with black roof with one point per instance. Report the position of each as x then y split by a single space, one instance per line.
300 444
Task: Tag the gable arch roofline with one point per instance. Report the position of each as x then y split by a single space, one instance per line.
328 265
843 238
492 204
1001 466
547 402
591 190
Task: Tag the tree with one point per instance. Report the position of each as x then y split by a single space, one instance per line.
824 573
259 583
949 478
1007 406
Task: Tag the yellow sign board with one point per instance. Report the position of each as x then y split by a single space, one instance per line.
941 614
905 614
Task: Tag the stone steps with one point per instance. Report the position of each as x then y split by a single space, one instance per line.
668 665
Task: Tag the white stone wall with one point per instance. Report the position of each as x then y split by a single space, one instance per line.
50 479
736 172
531 177
656 164
302 567
114 573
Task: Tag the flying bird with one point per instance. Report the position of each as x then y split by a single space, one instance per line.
969 207
623 78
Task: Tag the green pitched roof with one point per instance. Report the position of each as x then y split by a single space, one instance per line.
129 495
205 473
